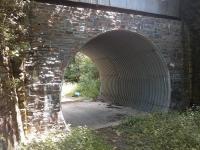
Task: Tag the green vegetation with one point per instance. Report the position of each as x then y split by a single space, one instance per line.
159 131
78 139
83 72
172 131
14 46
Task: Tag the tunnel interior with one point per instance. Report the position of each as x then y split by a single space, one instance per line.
132 72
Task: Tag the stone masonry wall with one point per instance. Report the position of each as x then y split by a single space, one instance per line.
191 18
58 32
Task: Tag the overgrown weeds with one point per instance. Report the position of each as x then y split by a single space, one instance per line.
171 131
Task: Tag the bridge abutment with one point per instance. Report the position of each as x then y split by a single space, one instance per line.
58 32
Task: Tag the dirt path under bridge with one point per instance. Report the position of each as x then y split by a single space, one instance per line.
95 115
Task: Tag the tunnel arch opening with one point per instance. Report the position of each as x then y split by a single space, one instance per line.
132 71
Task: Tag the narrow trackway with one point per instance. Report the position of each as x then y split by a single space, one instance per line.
94 115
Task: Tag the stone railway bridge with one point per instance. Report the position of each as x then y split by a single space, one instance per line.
140 51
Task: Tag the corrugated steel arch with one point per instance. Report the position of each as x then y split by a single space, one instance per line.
132 71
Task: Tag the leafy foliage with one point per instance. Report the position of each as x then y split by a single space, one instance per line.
13 27
13 43
177 131
72 73
89 88
79 138
84 72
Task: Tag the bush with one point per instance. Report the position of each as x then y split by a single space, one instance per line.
78 139
89 88
84 72
173 131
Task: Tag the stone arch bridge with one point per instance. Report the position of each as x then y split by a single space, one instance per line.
140 55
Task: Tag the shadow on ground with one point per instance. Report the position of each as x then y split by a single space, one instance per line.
94 115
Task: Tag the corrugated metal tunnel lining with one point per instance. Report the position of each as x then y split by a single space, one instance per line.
132 72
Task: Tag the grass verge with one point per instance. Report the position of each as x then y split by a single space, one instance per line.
79 138
159 131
